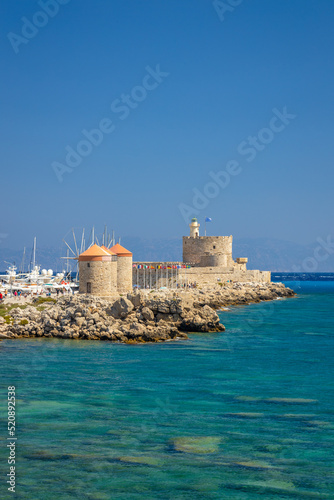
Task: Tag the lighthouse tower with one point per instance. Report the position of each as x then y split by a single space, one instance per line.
194 228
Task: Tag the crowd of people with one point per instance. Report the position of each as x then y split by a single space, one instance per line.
187 285
18 294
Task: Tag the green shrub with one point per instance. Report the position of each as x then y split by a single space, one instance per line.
24 322
42 300
4 309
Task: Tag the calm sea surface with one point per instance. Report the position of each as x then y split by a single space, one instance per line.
246 414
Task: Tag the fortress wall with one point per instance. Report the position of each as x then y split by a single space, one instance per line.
195 248
240 267
209 276
214 275
102 277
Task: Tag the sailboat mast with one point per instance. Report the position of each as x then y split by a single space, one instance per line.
23 258
34 254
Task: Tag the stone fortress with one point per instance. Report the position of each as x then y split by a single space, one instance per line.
211 260
207 261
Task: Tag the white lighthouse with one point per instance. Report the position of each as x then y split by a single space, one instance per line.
194 228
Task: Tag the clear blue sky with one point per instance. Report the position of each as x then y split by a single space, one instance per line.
224 79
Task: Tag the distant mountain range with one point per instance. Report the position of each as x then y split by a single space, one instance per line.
262 253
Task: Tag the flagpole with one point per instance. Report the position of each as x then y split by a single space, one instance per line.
205 226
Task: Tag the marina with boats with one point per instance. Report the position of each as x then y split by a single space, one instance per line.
35 281
38 281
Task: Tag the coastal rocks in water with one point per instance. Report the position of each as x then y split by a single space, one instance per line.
200 445
200 320
147 314
141 316
121 308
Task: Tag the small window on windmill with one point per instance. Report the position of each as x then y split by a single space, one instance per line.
89 287
88 264
214 247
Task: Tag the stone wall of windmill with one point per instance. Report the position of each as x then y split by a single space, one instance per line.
97 272
103 273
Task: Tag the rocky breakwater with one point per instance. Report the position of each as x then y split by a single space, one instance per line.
138 317
145 316
240 294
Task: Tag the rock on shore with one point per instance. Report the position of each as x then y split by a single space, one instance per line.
145 316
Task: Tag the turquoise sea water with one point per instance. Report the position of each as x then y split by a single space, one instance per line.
246 414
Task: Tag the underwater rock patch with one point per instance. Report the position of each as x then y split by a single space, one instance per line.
290 400
155 462
252 464
244 415
205 444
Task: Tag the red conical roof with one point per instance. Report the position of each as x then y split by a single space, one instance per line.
107 250
121 251
94 253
